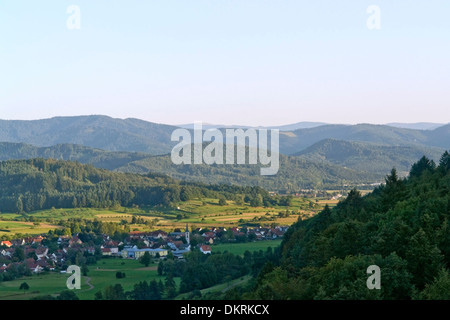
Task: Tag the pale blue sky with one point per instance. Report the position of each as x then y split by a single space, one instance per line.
255 62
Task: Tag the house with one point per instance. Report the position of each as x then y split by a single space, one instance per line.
175 244
8 244
74 241
135 253
18 242
37 239
106 252
43 264
159 234
172 245
41 252
180 252
208 234
33 265
113 247
62 239
6 253
205 249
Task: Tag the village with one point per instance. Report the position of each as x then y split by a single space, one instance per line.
44 253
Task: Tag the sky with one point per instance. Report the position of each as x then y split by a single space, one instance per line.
247 62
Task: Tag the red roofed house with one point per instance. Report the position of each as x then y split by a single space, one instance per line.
6 243
106 251
37 239
205 249
33 265
74 240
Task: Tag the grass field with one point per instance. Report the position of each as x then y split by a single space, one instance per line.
43 284
104 274
99 276
240 248
15 227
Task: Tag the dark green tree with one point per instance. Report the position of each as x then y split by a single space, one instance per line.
146 259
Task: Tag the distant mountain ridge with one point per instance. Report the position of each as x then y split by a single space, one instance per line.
95 131
134 135
287 127
310 124
417 125
301 139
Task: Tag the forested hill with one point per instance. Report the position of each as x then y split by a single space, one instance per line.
96 131
34 184
295 173
403 227
298 140
368 157
72 152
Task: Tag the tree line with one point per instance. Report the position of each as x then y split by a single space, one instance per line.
36 184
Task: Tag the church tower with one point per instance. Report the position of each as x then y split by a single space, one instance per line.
186 235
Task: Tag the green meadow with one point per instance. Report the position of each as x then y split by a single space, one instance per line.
240 248
98 277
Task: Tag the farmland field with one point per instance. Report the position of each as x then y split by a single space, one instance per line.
197 213
15 227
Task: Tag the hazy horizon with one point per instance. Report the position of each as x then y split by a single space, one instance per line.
233 124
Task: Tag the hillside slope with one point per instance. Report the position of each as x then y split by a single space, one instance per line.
402 227
35 184
294 173
298 140
101 132
369 157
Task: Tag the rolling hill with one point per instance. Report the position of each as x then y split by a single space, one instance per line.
95 131
295 172
418 125
299 140
369 157
134 135
99 158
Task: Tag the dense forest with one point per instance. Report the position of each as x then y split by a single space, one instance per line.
35 184
402 227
